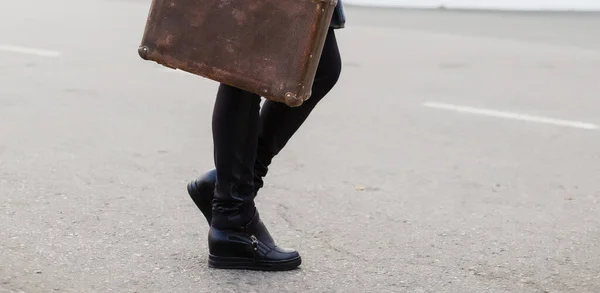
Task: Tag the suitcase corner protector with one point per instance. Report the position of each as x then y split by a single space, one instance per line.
143 52
294 100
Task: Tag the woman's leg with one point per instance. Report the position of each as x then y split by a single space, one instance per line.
238 239
235 136
276 125
278 122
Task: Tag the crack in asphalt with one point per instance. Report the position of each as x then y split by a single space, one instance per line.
282 212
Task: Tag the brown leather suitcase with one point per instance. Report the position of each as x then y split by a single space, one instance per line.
268 47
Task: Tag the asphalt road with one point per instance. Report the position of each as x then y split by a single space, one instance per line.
458 153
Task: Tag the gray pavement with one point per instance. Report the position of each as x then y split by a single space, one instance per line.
378 192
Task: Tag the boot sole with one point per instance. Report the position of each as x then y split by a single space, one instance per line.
237 263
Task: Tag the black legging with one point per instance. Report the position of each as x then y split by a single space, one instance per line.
245 141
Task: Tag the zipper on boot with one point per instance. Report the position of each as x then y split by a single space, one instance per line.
254 246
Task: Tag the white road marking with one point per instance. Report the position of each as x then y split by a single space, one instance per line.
30 51
509 115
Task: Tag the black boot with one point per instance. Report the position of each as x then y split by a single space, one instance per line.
235 137
202 192
237 237
249 247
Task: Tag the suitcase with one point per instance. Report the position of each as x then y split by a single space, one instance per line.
268 47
